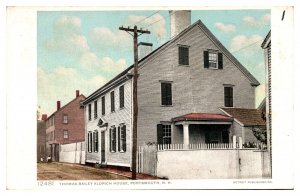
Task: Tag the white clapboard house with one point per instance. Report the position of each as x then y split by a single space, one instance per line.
190 90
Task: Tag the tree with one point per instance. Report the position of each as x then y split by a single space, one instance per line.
38 113
260 133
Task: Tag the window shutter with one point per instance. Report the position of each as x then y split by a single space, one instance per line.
206 62
110 143
231 97
160 134
88 142
163 94
220 60
180 59
226 94
119 137
124 136
169 94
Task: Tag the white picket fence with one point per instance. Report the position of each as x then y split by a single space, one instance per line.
217 146
147 160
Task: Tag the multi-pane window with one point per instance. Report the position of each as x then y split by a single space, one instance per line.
103 105
113 142
95 109
164 134
121 94
183 52
166 93
122 138
228 96
65 118
112 101
213 59
90 139
90 112
96 143
66 134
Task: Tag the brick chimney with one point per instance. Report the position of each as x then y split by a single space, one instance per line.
144 49
44 117
77 93
58 105
180 20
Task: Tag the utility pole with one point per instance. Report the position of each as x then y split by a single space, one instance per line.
136 33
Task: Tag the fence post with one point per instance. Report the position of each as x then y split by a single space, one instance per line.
234 141
240 143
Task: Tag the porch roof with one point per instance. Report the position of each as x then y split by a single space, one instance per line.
246 117
203 117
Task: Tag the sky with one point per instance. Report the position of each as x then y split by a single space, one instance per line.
82 50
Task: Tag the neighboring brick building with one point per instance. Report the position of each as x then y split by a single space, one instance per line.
181 87
65 126
41 139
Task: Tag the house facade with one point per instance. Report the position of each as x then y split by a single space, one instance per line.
64 126
108 115
181 87
41 139
266 45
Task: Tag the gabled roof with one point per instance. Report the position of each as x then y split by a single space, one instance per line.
266 41
262 105
250 77
202 117
66 105
245 117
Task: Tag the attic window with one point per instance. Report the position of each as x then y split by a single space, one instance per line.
183 54
213 59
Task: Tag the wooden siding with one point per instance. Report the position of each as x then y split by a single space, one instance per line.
194 88
120 115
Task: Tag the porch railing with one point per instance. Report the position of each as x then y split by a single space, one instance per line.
203 146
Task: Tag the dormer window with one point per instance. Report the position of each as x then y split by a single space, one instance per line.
213 59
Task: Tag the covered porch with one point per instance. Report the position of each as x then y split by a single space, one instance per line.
201 128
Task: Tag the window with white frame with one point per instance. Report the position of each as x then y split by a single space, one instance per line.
65 119
113 138
66 134
213 60
166 134
122 138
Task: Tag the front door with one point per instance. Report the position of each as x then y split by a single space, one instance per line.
103 147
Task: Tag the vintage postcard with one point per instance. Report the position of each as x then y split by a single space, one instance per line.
150 97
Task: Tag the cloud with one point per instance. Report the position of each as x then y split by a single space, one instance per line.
156 24
257 23
226 28
67 37
61 84
245 43
107 65
105 39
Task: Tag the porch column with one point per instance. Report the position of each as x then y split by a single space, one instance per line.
186 140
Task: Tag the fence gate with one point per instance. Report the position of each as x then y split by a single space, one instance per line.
147 160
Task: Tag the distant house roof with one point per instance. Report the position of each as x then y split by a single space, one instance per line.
246 117
202 117
262 105
124 73
266 41
66 105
